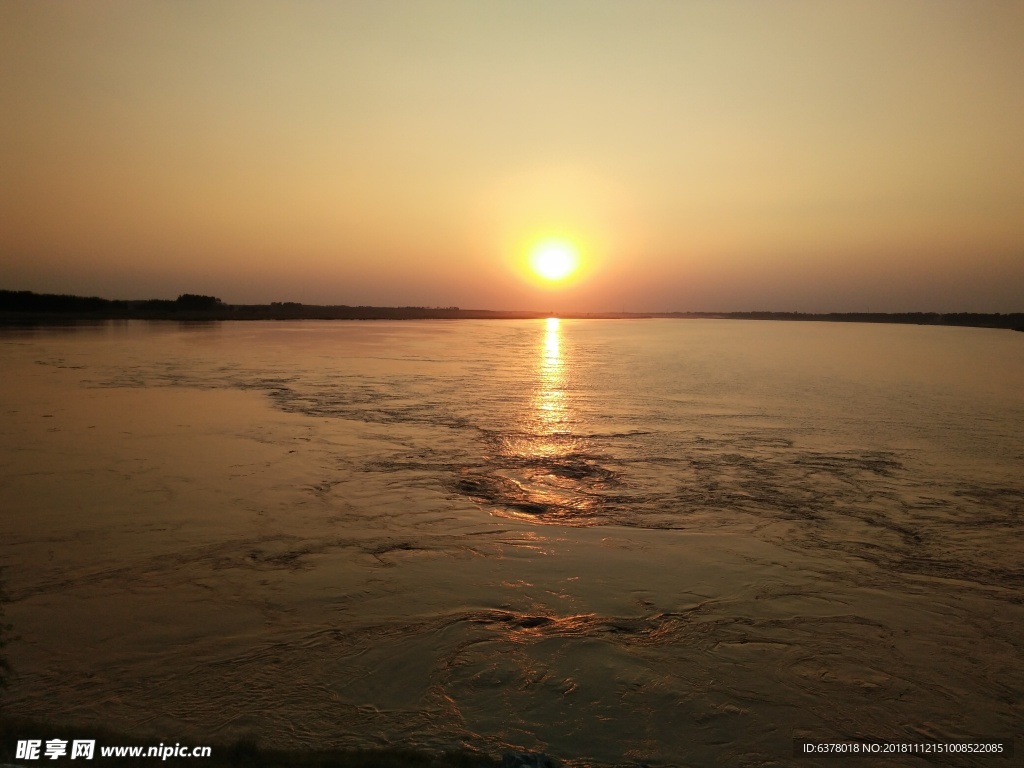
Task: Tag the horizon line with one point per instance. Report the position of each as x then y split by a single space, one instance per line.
31 302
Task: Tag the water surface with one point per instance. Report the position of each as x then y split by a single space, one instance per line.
675 542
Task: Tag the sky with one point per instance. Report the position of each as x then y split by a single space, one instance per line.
697 156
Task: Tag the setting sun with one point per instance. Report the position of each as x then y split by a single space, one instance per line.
554 259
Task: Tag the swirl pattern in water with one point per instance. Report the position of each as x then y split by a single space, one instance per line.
669 542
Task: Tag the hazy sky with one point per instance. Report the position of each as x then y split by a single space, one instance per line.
808 156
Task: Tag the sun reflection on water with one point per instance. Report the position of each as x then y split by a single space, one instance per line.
544 467
550 402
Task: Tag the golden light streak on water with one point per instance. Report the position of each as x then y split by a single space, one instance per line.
550 403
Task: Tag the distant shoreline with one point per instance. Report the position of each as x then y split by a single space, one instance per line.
28 308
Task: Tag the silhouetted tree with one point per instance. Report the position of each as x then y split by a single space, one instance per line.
195 301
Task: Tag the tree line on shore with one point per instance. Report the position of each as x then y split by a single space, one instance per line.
28 306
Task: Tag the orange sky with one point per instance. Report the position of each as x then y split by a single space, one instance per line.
701 155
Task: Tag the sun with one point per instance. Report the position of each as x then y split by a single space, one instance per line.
554 260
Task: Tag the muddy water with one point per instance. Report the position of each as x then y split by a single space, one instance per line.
673 542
